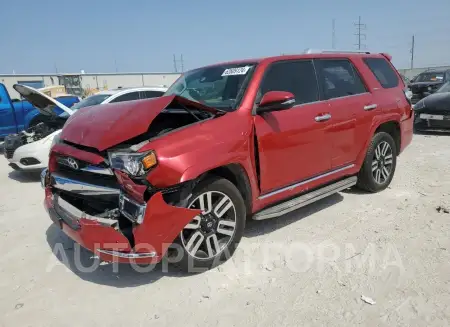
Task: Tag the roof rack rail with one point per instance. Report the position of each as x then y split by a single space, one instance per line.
308 51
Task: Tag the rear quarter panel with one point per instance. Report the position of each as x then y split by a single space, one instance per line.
392 106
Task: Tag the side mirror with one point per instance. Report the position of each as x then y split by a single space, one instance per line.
275 101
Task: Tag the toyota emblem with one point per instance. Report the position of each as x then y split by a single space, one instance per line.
72 163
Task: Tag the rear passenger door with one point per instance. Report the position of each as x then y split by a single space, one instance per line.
350 106
292 143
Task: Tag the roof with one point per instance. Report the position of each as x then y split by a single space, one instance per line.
309 55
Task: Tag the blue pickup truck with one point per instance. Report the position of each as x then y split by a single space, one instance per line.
16 116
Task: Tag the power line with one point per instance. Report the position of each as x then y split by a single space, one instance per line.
361 36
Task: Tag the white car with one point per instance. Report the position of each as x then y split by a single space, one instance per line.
37 141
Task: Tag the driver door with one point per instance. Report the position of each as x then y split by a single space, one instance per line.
292 143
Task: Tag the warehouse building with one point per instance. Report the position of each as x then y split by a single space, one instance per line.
85 84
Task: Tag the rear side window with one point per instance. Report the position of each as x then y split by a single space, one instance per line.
383 71
297 77
127 97
339 79
151 94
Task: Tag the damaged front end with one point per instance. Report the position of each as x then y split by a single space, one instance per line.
92 206
103 200
33 134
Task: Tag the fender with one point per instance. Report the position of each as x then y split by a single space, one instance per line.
29 116
377 121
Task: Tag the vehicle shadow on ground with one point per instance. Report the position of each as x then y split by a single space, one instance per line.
25 177
432 133
256 228
85 265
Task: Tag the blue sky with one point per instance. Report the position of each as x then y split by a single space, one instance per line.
143 35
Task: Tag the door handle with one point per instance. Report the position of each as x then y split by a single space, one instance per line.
370 107
323 117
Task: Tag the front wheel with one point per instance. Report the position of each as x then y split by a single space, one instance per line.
212 237
379 165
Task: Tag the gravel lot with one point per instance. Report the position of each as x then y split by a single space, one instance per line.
310 268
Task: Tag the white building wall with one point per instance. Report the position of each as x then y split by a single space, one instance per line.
94 81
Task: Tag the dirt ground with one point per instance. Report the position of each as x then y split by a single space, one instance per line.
321 266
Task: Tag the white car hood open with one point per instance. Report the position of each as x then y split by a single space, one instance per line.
42 102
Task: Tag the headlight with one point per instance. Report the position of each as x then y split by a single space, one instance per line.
55 139
430 88
135 164
419 105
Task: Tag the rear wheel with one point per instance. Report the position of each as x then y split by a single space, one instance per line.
379 165
212 237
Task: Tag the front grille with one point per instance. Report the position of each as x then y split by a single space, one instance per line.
11 143
9 153
83 176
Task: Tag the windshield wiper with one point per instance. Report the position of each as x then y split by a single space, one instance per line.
191 112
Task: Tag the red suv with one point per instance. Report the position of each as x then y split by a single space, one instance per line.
252 138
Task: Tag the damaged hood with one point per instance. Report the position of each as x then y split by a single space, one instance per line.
106 125
42 102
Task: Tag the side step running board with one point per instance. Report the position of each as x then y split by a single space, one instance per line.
305 199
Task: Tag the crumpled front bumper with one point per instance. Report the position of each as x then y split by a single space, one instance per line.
161 225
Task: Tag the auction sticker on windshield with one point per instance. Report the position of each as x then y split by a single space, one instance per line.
236 71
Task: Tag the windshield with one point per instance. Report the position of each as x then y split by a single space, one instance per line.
91 101
220 86
444 88
430 77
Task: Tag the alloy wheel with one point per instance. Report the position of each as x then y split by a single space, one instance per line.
208 234
382 162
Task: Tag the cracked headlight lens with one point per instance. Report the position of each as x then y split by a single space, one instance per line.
135 164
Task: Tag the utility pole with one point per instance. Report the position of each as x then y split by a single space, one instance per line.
333 34
359 33
115 64
412 53
175 63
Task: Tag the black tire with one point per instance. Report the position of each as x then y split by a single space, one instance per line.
193 264
366 179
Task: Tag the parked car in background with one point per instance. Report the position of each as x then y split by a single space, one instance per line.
28 150
252 138
120 95
427 83
16 115
432 113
